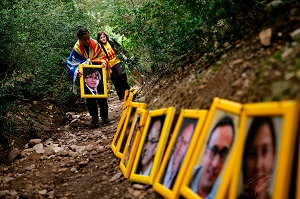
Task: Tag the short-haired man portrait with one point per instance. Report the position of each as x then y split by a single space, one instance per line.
217 147
150 147
178 152
92 77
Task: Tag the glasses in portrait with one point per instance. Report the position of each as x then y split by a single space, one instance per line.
208 171
218 144
152 145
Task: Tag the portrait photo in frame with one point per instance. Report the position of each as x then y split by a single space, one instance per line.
127 100
93 82
179 149
209 170
133 141
152 145
269 131
126 127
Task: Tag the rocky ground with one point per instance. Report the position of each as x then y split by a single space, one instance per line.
71 160
77 163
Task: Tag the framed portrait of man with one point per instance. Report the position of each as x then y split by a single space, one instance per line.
179 150
133 140
126 127
269 131
152 145
93 82
209 170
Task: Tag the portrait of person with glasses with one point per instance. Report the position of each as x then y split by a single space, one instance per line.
204 180
178 152
150 146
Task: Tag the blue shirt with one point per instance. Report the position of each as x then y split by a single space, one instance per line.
195 180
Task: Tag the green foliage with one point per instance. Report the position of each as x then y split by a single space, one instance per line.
36 39
161 31
277 55
37 36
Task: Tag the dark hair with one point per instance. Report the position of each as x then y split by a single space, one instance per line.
82 31
99 35
223 121
255 125
185 123
160 119
89 71
252 132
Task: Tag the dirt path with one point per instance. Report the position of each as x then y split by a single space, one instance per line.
78 163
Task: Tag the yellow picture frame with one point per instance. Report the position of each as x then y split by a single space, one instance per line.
216 147
133 141
274 126
93 82
152 145
182 143
129 96
126 127
127 100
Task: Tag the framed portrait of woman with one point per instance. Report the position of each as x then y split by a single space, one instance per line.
133 141
93 81
152 145
269 131
209 170
179 150
126 127
125 108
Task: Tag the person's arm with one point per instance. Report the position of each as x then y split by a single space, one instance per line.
73 62
119 48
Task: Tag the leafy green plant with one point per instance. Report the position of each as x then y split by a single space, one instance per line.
37 38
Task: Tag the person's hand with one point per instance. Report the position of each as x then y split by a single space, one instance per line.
79 73
104 64
87 61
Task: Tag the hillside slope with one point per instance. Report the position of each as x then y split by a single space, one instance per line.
242 70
